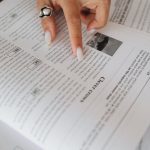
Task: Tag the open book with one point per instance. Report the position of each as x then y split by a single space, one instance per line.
50 101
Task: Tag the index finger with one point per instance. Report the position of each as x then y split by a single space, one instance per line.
71 10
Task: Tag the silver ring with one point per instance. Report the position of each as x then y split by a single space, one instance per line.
46 11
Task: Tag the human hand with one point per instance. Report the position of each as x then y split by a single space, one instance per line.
94 13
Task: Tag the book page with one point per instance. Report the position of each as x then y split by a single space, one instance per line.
61 104
144 143
11 140
132 13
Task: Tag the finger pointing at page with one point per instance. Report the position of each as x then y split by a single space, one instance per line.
72 14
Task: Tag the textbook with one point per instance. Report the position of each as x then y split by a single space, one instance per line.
51 101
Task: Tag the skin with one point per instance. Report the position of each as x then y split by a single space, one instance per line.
75 13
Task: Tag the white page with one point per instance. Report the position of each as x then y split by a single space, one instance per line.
35 120
132 13
116 62
103 137
11 140
144 143
133 123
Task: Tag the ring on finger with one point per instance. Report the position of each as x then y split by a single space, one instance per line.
46 11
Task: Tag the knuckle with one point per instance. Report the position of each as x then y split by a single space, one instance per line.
76 35
103 24
62 2
74 20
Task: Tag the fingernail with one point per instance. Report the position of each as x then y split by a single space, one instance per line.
79 54
48 38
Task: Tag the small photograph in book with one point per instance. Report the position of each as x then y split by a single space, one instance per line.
144 144
104 43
